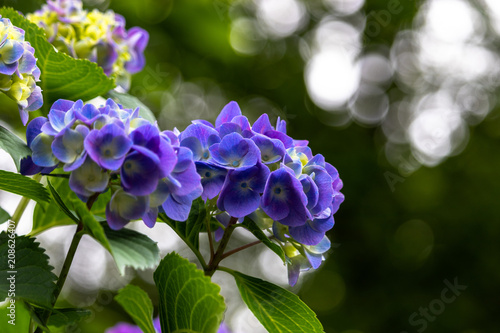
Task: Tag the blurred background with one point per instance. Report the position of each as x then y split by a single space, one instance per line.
400 96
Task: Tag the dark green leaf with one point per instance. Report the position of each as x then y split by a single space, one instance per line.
68 316
13 145
279 310
4 216
137 304
189 230
61 75
131 248
60 202
132 102
257 232
24 186
189 301
34 280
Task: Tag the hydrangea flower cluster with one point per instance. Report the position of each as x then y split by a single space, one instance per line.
113 148
97 36
18 70
259 170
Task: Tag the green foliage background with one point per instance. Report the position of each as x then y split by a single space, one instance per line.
393 249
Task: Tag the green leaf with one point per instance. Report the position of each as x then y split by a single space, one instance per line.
18 323
131 248
60 202
34 280
48 215
132 102
61 75
279 310
137 304
68 316
189 301
4 216
257 232
93 227
189 230
24 186
13 145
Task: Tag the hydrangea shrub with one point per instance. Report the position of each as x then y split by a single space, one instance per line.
106 166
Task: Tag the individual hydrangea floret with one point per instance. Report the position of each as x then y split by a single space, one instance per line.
18 70
112 148
94 35
261 172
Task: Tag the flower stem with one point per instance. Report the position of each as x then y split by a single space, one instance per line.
218 256
21 207
227 254
210 240
44 316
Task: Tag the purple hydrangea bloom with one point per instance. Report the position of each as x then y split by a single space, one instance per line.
108 146
234 152
212 179
177 191
88 179
18 70
284 199
124 207
199 138
240 194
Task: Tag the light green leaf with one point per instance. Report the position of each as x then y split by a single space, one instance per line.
24 186
137 304
48 215
60 202
68 316
257 232
189 230
13 145
21 318
34 280
131 248
132 102
61 75
189 301
279 310
93 227
4 216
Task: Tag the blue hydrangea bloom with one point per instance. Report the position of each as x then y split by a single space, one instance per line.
234 152
240 195
112 148
108 146
212 179
124 207
284 199
301 191
18 70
